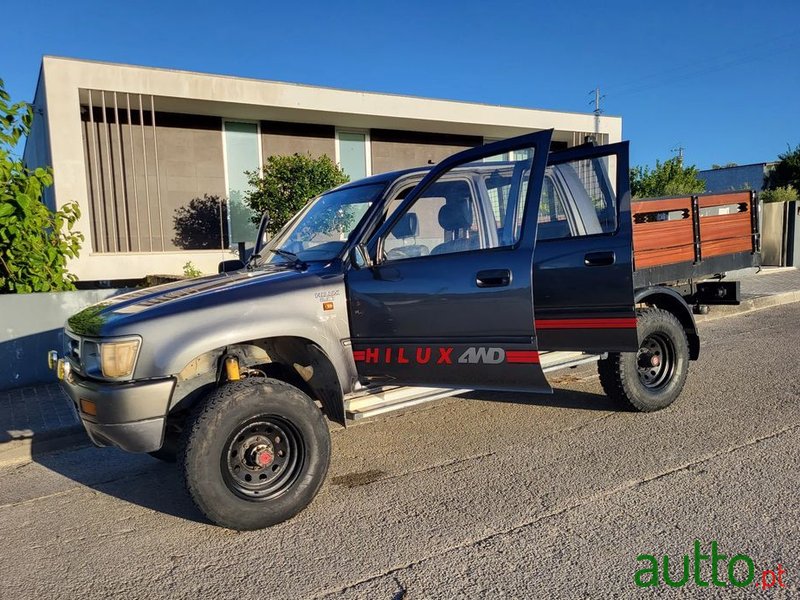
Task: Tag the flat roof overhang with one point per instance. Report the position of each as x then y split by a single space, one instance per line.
253 99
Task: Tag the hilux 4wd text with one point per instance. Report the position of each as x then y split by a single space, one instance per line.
484 272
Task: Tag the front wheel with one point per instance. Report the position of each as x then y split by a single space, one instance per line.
255 453
652 377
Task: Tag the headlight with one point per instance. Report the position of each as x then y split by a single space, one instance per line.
117 358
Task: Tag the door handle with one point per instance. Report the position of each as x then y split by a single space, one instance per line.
599 259
493 278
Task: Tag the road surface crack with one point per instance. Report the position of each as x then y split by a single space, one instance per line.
576 504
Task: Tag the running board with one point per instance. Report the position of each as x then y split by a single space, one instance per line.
559 359
386 400
371 403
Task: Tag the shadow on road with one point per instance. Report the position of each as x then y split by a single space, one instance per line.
560 398
136 478
147 482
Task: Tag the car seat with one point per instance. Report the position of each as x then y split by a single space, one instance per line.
455 217
406 228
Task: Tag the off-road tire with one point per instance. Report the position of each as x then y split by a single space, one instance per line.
214 428
621 373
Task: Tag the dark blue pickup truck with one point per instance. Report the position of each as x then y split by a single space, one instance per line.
485 272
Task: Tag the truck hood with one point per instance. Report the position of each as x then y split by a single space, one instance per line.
107 317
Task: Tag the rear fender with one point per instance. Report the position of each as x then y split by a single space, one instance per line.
668 299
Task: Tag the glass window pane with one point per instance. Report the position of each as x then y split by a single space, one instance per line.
577 199
241 154
450 215
353 154
322 228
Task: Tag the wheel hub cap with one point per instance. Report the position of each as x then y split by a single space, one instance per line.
655 361
262 458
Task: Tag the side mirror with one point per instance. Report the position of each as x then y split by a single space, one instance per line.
359 257
226 266
262 233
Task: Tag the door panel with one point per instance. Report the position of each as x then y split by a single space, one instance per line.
583 269
450 303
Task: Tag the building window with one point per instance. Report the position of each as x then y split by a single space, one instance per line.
242 143
353 153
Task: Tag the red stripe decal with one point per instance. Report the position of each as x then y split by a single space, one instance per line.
522 356
607 323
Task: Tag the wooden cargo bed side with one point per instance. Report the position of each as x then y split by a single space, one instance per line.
725 224
693 237
663 232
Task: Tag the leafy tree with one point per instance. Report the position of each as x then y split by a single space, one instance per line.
286 183
34 242
669 178
786 172
725 166
781 194
197 225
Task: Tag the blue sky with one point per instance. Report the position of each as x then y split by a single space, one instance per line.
721 79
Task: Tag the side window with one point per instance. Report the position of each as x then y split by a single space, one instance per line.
471 207
577 200
444 219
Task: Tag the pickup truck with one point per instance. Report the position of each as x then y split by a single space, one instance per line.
485 272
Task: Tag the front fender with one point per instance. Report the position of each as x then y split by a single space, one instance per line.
171 342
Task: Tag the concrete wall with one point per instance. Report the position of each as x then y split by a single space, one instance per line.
392 149
780 234
289 138
773 234
192 165
37 144
30 325
138 175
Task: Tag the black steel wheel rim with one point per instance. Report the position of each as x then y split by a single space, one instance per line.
655 361
263 458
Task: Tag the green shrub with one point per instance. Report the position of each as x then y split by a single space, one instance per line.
286 183
189 270
781 194
34 242
669 178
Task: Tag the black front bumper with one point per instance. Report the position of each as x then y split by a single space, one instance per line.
130 416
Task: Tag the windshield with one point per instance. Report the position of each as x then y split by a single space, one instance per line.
322 228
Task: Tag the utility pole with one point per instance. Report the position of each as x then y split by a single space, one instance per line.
597 110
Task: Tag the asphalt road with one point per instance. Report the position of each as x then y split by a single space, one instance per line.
495 496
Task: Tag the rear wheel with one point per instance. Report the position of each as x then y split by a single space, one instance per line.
652 377
255 453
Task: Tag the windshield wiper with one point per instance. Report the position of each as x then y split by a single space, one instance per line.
289 255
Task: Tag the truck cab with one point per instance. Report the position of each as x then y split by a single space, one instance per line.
484 272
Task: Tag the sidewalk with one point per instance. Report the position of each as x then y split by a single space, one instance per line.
772 286
42 412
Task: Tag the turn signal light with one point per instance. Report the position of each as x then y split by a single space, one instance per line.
88 407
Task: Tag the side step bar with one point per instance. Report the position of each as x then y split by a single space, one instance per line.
371 403
557 360
386 400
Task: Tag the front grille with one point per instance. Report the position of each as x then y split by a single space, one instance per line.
72 351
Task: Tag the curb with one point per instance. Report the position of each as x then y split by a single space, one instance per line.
27 449
749 305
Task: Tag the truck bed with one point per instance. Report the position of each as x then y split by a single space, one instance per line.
693 237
